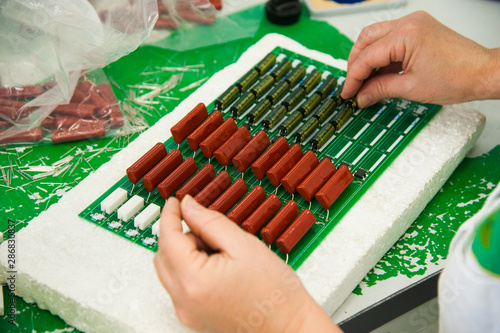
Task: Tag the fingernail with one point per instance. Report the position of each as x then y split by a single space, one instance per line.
191 203
365 100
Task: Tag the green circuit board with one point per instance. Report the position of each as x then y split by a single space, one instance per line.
367 142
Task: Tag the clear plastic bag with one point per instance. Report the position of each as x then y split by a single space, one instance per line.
45 46
190 24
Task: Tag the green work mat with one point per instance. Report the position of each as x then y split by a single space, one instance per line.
26 198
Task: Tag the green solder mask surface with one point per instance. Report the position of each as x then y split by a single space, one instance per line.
370 140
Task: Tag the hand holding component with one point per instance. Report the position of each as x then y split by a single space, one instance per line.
239 286
418 58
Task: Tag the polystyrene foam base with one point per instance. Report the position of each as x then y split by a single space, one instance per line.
100 282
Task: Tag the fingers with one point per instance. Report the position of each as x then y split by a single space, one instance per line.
213 228
369 35
381 87
175 249
381 53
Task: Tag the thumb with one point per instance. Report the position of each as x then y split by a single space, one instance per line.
213 228
381 87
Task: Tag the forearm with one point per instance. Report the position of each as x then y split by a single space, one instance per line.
487 80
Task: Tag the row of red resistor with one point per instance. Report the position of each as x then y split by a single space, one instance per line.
92 109
169 171
282 164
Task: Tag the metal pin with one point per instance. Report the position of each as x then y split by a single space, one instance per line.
89 164
132 190
269 246
242 174
194 154
327 213
225 168
293 195
286 261
178 145
147 200
317 222
276 191
209 160
260 182
310 203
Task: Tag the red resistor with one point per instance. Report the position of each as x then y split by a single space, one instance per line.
232 146
252 150
270 156
173 181
201 132
284 164
147 161
218 137
21 92
231 196
197 183
334 187
215 188
280 222
316 179
247 205
161 170
31 135
78 133
300 171
262 214
294 233
189 123
77 110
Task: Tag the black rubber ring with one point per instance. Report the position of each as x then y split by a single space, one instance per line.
283 12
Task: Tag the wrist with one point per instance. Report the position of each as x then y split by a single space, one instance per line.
487 79
312 318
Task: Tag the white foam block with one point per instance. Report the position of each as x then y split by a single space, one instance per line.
100 282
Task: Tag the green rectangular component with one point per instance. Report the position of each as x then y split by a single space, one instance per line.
404 124
372 135
356 153
310 104
274 117
354 130
372 160
371 140
390 141
337 148
390 117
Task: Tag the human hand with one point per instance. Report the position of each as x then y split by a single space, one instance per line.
240 287
438 65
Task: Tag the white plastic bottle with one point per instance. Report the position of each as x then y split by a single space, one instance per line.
469 287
